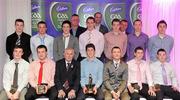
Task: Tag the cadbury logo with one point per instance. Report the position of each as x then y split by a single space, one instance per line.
88 9
35 7
115 9
61 8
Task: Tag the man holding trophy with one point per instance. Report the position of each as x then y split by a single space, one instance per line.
41 76
91 75
115 77
139 77
67 76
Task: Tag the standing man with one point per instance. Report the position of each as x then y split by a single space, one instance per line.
67 76
115 77
161 40
41 73
42 38
124 26
139 77
15 77
115 38
76 30
18 38
137 39
66 40
91 71
93 36
98 26
164 76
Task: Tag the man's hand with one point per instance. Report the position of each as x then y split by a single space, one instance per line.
151 91
61 94
131 89
115 96
84 90
95 90
9 95
15 96
71 94
175 88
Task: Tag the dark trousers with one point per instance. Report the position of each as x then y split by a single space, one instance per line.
98 96
167 91
66 92
143 92
32 95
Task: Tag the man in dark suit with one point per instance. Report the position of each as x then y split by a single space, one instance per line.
76 30
98 18
18 38
67 76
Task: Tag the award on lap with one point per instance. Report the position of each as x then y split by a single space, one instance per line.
41 88
13 89
136 87
66 85
156 87
90 86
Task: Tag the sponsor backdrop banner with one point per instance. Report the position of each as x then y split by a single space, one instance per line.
54 12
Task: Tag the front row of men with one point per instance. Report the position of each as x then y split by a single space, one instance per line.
116 80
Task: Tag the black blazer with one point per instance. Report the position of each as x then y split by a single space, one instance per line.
72 75
25 43
79 31
103 29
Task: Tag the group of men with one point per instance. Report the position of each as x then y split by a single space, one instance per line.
113 62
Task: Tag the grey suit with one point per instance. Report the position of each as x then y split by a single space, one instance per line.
59 47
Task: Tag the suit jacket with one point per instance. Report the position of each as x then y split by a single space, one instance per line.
59 47
72 75
25 43
115 78
103 29
79 31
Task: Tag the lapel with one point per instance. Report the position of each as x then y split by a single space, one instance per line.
61 42
70 41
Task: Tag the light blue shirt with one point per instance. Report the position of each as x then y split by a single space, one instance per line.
47 40
93 67
156 43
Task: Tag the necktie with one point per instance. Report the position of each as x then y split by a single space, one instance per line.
42 40
89 38
18 41
139 75
68 66
116 66
40 73
15 79
164 74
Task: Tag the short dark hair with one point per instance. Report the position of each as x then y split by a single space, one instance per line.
19 20
137 20
42 22
42 46
124 20
75 15
115 20
90 45
116 47
138 48
161 22
66 22
90 18
161 50
97 13
18 47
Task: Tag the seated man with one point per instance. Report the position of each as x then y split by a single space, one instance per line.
67 76
15 77
164 77
139 77
91 75
115 77
41 76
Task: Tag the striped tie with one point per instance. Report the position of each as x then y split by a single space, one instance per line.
18 42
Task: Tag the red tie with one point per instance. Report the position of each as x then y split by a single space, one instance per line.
40 73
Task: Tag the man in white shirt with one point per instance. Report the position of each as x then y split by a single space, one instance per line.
139 77
164 77
15 77
91 35
42 38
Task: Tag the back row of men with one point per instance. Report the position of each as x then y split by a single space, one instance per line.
77 37
67 78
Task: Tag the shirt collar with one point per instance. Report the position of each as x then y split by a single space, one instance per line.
45 35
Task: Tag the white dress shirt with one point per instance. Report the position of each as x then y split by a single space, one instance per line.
36 41
133 72
94 37
8 74
66 40
156 70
